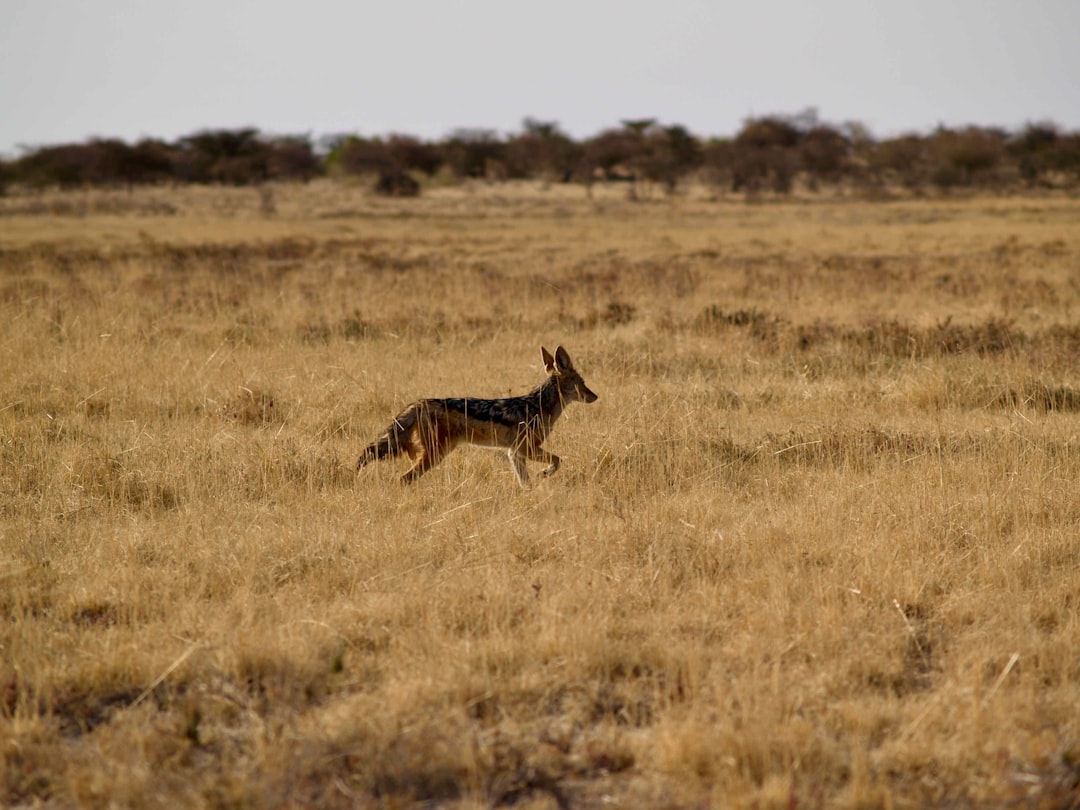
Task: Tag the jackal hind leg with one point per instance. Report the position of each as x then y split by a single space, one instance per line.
424 462
426 451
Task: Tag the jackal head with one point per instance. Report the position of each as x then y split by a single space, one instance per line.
571 387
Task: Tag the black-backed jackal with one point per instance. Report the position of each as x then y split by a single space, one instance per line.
430 428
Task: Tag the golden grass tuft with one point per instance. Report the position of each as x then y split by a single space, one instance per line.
814 545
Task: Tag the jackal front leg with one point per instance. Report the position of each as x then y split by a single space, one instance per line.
517 461
544 457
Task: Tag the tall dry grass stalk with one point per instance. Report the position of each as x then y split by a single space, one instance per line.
816 544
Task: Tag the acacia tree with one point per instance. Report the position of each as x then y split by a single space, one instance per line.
355 155
764 155
542 151
965 157
904 159
231 156
1044 155
825 155
63 165
474 153
292 157
608 155
641 152
390 161
670 154
407 153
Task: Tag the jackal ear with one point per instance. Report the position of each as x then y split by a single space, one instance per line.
549 361
562 360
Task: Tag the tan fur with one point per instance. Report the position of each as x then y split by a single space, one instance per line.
430 428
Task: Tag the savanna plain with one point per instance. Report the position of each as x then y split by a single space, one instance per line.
816 544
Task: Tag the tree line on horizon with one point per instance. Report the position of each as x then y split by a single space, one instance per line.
768 154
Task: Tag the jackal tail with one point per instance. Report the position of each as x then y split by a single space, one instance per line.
393 442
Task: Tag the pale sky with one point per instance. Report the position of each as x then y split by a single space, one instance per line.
75 69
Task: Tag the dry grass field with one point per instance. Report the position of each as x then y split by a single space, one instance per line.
817 544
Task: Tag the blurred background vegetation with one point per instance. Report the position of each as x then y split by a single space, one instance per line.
775 154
